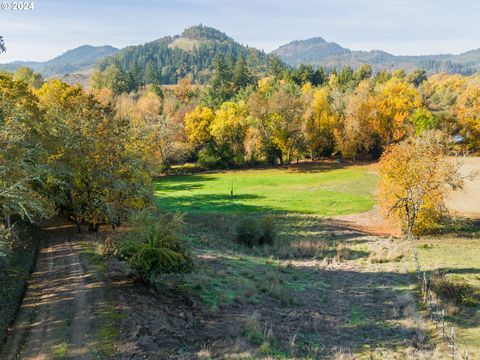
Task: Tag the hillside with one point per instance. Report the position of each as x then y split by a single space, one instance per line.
190 54
319 52
76 60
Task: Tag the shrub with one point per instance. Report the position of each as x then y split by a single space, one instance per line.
153 245
247 232
267 231
253 232
209 159
453 290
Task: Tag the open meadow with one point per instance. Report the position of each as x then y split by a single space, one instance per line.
322 290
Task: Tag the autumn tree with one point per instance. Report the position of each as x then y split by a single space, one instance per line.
29 76
395 101
284 124
356 134
468 109
320 121
415 177
229 129
197 126
101 174
22 154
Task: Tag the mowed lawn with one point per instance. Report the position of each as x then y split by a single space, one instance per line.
313 188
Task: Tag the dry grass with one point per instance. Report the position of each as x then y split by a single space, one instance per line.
387 251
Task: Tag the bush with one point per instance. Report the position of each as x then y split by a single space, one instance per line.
267 231
210 159
453 290
252 232
153 246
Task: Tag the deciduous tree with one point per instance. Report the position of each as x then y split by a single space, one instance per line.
415 177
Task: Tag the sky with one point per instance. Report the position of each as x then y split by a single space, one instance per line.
401 27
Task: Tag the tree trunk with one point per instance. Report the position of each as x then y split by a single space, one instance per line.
411 238
8 222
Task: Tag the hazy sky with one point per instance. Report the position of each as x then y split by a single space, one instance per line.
396 26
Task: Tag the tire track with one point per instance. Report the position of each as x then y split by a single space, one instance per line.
62 301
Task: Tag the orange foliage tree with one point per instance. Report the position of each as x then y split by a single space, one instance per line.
415 177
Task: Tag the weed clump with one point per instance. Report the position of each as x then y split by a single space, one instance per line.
153 246
454 291
252 232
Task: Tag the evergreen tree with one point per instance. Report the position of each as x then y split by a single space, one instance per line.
275 67
151 76
241 74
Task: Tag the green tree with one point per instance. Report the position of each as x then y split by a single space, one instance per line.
423 120
26 74
113 78
22 154
275 67
151 76
363 72
241 74
417 77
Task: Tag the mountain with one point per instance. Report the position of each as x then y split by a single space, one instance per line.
190 54
319 52
76 60
309 51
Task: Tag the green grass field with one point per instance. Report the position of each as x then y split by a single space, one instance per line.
320 188
459 258
360 295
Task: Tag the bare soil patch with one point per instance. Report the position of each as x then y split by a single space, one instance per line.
466 202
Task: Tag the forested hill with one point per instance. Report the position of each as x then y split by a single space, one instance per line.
166 60
76 60
319 52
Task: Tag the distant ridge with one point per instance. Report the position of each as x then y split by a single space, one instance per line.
76 60
191 53
319 52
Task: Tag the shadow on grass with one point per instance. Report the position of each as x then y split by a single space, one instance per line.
179 182
231 300
458 226
211 203
316 166
297 236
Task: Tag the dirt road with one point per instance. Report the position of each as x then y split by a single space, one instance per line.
57 318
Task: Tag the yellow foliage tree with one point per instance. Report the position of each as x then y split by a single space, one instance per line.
229 128
395 102
197 125
468 108
415 177
320 122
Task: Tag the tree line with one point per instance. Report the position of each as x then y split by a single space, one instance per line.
91 153
293 114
